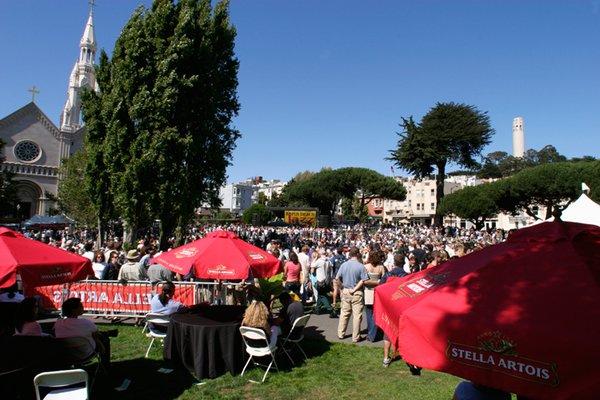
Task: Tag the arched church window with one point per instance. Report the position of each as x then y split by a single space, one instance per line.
27 151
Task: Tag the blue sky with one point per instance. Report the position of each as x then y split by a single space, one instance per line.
325 83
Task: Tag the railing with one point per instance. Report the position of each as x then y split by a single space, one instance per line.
113 299
37 170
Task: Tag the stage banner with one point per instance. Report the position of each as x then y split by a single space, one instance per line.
306 218
109 296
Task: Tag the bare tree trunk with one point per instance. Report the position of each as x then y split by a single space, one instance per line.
99 236
129 233
439 193
549 210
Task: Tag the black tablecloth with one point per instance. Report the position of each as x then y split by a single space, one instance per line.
206 340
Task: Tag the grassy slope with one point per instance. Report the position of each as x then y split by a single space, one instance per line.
339 371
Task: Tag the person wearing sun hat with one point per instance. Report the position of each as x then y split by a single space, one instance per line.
130 271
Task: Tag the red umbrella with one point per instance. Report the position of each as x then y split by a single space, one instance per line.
38 263
220 255
522 316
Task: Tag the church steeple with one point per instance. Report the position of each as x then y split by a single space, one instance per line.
88 41
83 75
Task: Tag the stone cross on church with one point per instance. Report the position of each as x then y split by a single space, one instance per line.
33 90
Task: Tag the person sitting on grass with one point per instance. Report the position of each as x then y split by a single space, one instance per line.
257 316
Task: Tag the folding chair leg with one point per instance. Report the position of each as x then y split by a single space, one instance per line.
288 355
268 368
302 351
149 347
95 376
246 366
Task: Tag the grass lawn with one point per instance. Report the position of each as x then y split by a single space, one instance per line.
333 371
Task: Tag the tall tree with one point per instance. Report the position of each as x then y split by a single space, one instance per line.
8 189
167 109
96 115
448 133
72 200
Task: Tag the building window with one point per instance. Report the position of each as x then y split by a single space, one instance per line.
418 206
27 151
432 206
433 192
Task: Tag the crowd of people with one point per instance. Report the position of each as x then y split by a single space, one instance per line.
335 270
428 245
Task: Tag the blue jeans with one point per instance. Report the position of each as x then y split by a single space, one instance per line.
372 329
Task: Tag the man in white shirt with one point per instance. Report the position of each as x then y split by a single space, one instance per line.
304 260
306 288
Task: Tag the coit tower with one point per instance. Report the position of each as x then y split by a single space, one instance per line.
518 136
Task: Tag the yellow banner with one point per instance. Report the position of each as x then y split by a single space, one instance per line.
300 217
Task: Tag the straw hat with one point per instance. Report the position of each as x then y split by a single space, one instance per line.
132 255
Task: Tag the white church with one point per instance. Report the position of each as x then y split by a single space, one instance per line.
35 146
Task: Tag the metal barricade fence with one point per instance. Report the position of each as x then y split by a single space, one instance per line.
116 299
228 293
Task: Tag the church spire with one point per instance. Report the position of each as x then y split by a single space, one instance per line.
88 40
82 76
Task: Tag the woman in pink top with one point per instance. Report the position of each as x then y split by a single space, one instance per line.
26 324
291 274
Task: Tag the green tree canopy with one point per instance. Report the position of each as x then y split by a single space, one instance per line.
326 188
499 164
160 129
448 133
8 189
72 200
258 214
472 203
552 185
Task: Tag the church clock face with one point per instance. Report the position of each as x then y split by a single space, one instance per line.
27 151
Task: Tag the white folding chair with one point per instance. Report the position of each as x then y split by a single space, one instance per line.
295 336
156 320
58 380
254 339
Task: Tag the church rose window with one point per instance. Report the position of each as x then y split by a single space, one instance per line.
27 151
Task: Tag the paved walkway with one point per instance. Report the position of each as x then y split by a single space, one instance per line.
324 327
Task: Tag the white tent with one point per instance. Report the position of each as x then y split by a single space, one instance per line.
583 210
